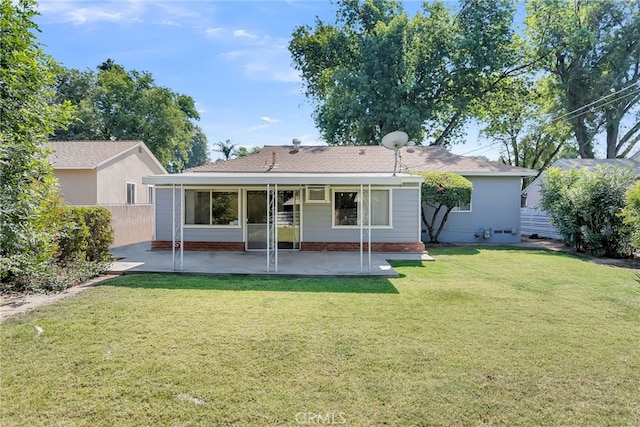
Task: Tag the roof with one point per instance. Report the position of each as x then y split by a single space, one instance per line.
589 164
593 163
92 154
286 178
359 160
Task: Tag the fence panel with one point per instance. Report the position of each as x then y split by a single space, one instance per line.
535 221
131 223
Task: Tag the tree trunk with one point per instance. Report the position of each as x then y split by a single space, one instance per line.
612 128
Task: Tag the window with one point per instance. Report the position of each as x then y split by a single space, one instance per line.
131 193
211 207
150 194
463 208
345 208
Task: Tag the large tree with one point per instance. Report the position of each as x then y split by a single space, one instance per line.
27 117
520 119
377 70
115 103
592 50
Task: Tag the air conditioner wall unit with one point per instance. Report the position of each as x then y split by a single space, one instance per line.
317 194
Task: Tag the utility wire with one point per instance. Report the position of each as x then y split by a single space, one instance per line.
579 111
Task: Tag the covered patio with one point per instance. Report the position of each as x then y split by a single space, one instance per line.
138 258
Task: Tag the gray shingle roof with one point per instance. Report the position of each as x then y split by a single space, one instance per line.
86 154
591 164
359 159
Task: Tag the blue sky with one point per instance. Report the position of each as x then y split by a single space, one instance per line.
231 57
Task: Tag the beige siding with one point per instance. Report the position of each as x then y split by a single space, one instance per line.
113 176
78 186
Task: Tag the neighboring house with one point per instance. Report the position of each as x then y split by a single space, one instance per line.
319 197
535 221
109 173
531 195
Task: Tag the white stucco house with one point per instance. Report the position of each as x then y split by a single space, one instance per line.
109 174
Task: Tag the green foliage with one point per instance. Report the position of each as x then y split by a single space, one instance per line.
244 152
226 148
631 214
87 235
28 195
377 70
442 191
590 49
121 104
585 206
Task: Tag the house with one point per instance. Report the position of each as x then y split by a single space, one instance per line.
109 173
329 198
535 221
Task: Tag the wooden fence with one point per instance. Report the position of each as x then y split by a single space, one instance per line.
536 221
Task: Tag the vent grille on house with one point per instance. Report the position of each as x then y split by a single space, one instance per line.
317 194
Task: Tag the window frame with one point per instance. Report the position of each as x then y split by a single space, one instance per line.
357 191
133 193
458 209
237 222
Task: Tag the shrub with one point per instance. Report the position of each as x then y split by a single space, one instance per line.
443 191
87 234
585 206
631 214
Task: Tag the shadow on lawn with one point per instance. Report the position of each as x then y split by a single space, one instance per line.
360 285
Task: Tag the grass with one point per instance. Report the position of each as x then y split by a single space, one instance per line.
483 336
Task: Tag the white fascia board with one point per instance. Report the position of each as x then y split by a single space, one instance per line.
281 179
498 174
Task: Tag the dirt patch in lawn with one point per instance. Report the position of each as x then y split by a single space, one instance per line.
14 304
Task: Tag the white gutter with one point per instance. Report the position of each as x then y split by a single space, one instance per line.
281 178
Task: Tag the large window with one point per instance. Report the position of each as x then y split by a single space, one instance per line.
211 207
345 208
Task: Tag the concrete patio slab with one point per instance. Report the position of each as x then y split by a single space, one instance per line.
138 258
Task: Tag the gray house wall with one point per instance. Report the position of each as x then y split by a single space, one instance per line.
316 222
404 202
495 206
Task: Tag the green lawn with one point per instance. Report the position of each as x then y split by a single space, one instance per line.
483 336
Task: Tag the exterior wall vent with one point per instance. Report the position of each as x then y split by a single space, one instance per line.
317 194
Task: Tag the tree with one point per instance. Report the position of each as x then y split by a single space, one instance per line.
377 70
586 208
592 50
244 152
441 192
121 104
226 148
518 118
29 204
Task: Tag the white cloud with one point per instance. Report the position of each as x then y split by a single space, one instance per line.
269 119
69 12
213 31
244 34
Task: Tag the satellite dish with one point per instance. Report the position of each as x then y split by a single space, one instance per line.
395 140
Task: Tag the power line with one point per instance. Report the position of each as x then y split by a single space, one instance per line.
579 111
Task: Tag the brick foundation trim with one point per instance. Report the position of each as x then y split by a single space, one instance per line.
157 245
413 247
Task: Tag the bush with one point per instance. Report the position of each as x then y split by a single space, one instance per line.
631 214
585 206
83 236
87 234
